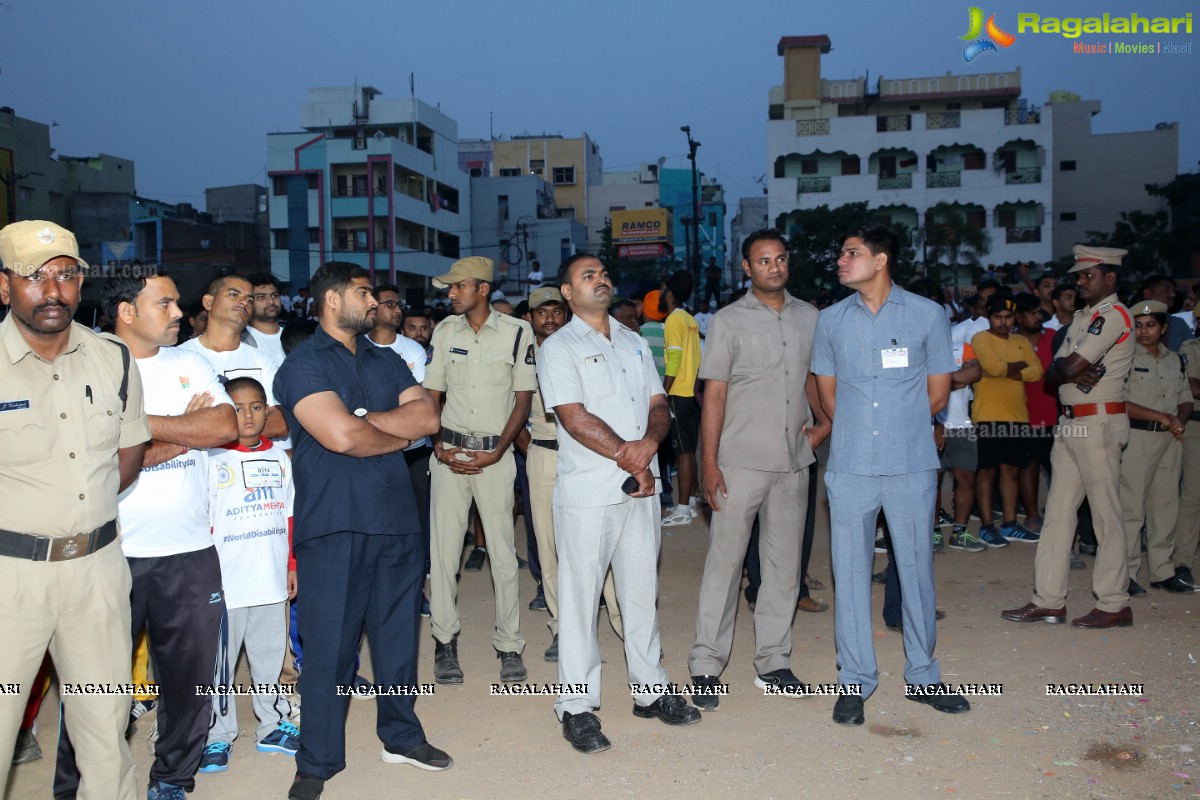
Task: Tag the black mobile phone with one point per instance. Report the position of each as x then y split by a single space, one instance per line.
630 485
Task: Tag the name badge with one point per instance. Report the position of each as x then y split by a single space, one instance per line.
458 351
895 357
14 405
262 474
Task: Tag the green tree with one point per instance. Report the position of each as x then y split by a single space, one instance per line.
1145 236
1183 241
955 241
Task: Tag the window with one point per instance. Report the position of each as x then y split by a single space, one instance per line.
565 211
537 167
953 106
1066 166
510 172
476 172
314 235
1066 216
851 166
712 219
56 199
1007 217
976 160
977 217
25 193
808 166
502 207
564 175
312 181
281 238
279 185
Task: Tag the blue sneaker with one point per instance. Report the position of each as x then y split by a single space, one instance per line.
1016 532
284 739
216 757
165 791
991 537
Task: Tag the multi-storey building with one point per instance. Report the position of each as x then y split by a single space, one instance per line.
373 182
571 166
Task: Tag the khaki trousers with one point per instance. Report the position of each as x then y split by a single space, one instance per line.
1085 461
1150 494
1187 525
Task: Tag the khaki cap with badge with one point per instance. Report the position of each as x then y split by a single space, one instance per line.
26 246
477 267
546 294
1148 307
1087 257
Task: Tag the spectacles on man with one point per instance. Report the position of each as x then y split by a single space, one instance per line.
390 303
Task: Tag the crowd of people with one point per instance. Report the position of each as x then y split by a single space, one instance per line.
320 457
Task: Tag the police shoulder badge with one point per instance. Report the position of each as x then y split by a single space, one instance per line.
529 355
1097 326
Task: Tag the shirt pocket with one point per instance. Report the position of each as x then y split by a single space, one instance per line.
22 437
752 353
103 422
456 373
596 377
916 362
498 373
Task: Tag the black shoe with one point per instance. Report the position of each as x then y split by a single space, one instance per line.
551 653
705 702
538 603
848 710
1185 575
445 662
512 668
946 703
782 681
522 563
671 709
879 577
306 787
898 627
583 732
475 560
1087 549
425 757
1174 584
1135 588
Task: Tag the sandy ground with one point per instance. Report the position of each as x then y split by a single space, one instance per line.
1020 745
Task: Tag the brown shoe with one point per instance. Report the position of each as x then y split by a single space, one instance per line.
809 604
1105 619
1035 613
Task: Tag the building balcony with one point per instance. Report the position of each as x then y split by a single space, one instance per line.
893 123
812 127
943 180
812 185
940 120
1022 116
1023 235
1023 175
901 181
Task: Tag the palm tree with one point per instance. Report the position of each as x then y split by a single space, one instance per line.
949 235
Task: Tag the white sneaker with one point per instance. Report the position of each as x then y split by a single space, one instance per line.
693 512
676 518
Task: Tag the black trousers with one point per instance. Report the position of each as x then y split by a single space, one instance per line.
178 600
418 475
348 579
752 563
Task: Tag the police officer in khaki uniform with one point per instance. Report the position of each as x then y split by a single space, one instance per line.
548 313
72 433
1187 525
1160 404
483 363
1089 372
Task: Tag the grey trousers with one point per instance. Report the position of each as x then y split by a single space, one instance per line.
780 499
263 632
589 540
854 504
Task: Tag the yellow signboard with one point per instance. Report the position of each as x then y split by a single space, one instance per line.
641 226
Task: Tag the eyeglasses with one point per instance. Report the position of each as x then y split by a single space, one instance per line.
390 303
65 276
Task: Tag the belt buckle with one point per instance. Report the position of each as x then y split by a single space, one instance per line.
1069 412
65 549
472 442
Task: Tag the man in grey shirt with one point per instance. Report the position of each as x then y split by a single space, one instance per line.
883 362
756 370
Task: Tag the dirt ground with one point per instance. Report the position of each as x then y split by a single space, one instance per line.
1019 745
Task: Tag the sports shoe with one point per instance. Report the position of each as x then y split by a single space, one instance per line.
963 540
424 757
551 653
879 577
445 662
1016 532
705 702
939 543
676 518
165 791
475 560
991 537
782 680
1034 525
137 710
944 519
27 748
284 739
216 757
538 603
512 668
306 787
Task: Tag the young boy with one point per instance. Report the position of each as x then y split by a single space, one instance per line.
250 507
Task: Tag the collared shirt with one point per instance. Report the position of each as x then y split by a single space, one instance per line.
336 492
881 423
61 424
681 338
1158 382
614 380
1100 333
763 355
542 423
481 371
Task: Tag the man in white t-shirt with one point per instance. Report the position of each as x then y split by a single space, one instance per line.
176 592
264 327
536 277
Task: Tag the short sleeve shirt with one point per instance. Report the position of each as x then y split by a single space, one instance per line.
1191 354
614 380
542 424
763 355
882 362
61 424
1158 382
335 492
680 333
1103 331
480 371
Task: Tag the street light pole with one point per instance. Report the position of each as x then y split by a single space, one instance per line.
694 246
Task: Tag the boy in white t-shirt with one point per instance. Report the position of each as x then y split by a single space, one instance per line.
250 497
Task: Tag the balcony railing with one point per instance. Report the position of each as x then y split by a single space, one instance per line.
808 185
939 120
1031 233
943 180
812 127
1024 175
1022 116
895 122
901 181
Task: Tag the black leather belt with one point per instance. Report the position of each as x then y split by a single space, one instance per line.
549 444
56 548
1147 425
469 441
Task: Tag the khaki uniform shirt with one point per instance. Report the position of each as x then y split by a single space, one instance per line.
61 424
1159 383
542 423
1104 333
763 355
480 371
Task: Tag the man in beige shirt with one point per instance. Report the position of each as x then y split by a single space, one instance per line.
72 434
